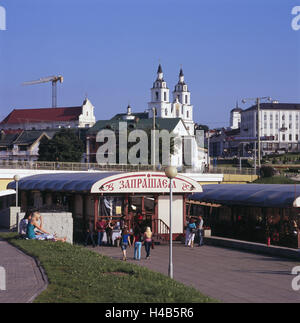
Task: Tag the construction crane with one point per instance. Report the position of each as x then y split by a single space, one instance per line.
54 80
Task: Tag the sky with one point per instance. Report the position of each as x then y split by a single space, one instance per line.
109 50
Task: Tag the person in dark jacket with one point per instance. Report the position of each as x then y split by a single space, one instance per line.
90 234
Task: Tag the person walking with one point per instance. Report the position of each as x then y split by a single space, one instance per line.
137 242
200 230
100 225
148 241
192 229
90 234
187 232
125 242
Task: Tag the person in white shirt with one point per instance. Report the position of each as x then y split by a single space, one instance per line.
200 230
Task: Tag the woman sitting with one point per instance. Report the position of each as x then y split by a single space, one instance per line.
24 223
34 224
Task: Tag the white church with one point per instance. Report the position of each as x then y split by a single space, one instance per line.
181 106
182 110
176 117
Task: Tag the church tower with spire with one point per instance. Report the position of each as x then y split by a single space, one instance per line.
181 106
160 96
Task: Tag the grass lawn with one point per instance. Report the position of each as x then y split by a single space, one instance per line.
77 274
275 180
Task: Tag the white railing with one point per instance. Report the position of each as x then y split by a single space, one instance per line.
63 166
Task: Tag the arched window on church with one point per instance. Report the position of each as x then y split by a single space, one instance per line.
165 96
156 96
188 114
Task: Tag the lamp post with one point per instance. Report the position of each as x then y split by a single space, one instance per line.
171 173
16 179
257 100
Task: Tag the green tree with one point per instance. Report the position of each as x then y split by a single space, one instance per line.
65 146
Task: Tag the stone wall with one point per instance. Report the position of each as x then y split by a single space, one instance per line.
9 218
60 224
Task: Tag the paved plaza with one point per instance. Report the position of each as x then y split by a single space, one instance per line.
224 274
24 280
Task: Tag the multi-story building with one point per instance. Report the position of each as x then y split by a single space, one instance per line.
22 145
235 117
279 126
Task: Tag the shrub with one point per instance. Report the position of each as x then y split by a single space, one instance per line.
267 171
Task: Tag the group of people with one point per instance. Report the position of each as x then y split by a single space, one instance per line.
194 227
31 227
102 227
139 238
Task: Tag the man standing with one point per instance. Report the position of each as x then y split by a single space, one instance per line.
100 225
200 230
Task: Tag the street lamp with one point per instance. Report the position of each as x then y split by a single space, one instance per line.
171 172
257 100
16 179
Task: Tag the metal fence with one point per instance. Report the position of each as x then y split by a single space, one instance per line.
233 170
63 166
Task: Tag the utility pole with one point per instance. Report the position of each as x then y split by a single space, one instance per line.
257 101
208 150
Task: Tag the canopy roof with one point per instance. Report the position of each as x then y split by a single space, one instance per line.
260 195
107 183
7 192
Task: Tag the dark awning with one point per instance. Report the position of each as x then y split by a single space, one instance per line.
259 195
60 182
108 183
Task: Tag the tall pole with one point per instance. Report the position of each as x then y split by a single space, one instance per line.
54 95
208 151
16 179
17 193
171 173
153 145
257 142
258 132
171 238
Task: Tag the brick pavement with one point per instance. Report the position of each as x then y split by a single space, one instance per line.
224 274
24 280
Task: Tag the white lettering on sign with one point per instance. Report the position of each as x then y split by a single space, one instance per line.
144 183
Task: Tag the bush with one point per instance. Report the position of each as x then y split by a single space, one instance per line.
267 171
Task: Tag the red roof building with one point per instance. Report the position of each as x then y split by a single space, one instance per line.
50 118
